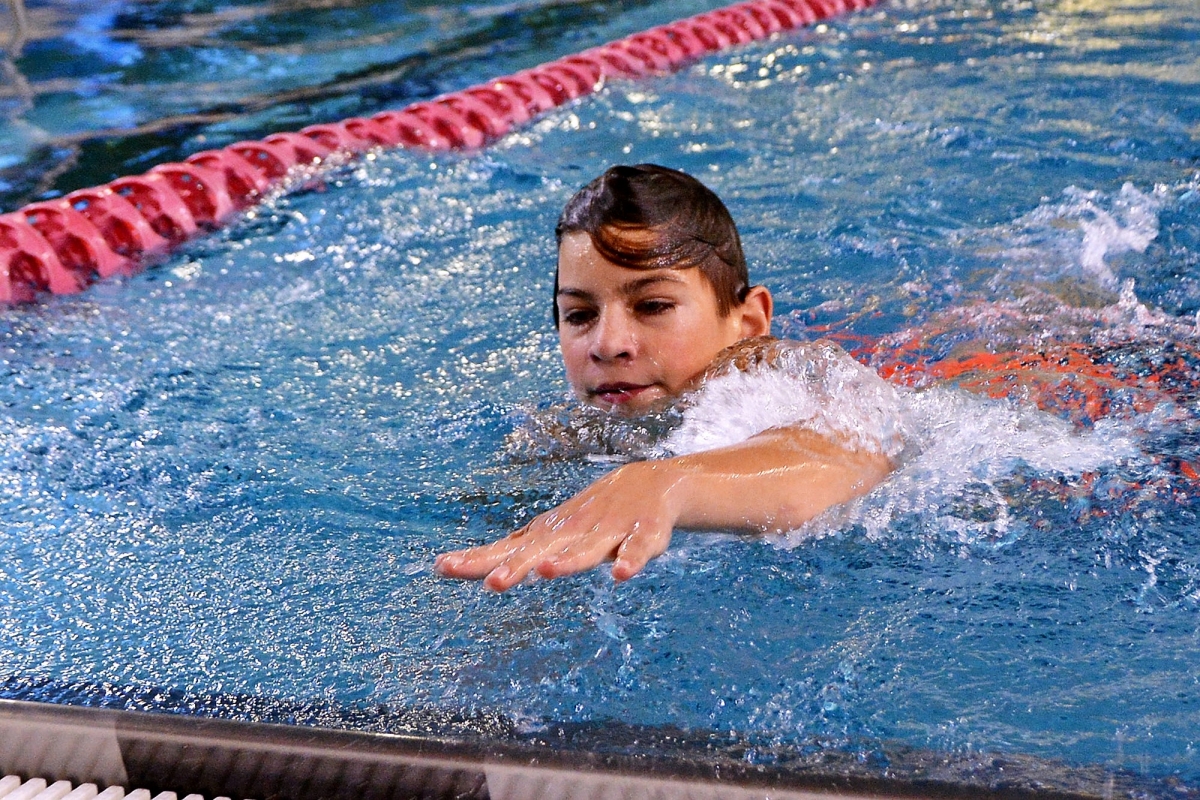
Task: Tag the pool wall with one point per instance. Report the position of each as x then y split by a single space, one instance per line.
221 758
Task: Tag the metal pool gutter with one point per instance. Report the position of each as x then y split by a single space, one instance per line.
210 757
190 756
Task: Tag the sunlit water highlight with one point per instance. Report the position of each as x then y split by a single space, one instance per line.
224 480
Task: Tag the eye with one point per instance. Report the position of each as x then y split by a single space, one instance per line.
578 317
653 308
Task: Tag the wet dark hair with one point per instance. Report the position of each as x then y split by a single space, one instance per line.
651 217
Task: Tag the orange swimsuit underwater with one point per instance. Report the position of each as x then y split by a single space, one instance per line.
1073 363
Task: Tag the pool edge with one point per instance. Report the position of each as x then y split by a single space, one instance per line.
217 757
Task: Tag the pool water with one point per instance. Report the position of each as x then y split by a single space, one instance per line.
98 90
224 480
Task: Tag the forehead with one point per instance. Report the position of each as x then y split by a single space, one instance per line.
581 268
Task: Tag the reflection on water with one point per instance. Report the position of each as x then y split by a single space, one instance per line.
15 85
18 26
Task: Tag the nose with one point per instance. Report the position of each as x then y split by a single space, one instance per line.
613 338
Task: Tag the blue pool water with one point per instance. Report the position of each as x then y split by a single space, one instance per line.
224 480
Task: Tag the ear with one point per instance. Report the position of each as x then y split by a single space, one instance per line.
755 312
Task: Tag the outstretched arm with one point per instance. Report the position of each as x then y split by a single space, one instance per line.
774 481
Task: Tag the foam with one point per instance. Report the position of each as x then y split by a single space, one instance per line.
815 385
963 449
1078 234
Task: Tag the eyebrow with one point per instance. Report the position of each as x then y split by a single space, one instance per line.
627 288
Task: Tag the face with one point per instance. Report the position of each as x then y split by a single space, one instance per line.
632 338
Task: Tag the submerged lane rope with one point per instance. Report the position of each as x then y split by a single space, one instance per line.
61 246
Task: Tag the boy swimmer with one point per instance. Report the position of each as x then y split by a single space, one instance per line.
651 297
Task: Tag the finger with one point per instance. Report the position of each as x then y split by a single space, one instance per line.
584 552
646 542
477 562
543 537
514 569
501 579
471 564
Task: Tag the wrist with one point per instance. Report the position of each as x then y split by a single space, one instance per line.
668 480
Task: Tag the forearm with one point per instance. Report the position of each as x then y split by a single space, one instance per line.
775 481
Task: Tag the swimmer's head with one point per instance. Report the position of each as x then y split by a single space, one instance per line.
651 217
651 285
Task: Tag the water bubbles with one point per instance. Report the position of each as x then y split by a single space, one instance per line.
966 449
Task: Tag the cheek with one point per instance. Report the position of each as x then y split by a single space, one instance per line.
574 356
682 357
693 348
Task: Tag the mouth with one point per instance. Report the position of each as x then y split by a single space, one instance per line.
618 394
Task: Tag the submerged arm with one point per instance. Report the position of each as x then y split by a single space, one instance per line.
774 481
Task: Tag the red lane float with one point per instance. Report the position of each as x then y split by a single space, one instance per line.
62 245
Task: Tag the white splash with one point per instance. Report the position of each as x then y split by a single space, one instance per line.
1129 226
954 449
1079 234
962 447
815 385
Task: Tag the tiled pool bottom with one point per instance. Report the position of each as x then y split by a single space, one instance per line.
52 749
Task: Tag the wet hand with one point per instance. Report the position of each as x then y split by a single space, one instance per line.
627 517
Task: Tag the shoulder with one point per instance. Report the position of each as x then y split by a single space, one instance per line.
769 353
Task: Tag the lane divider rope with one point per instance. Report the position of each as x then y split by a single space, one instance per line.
61 246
